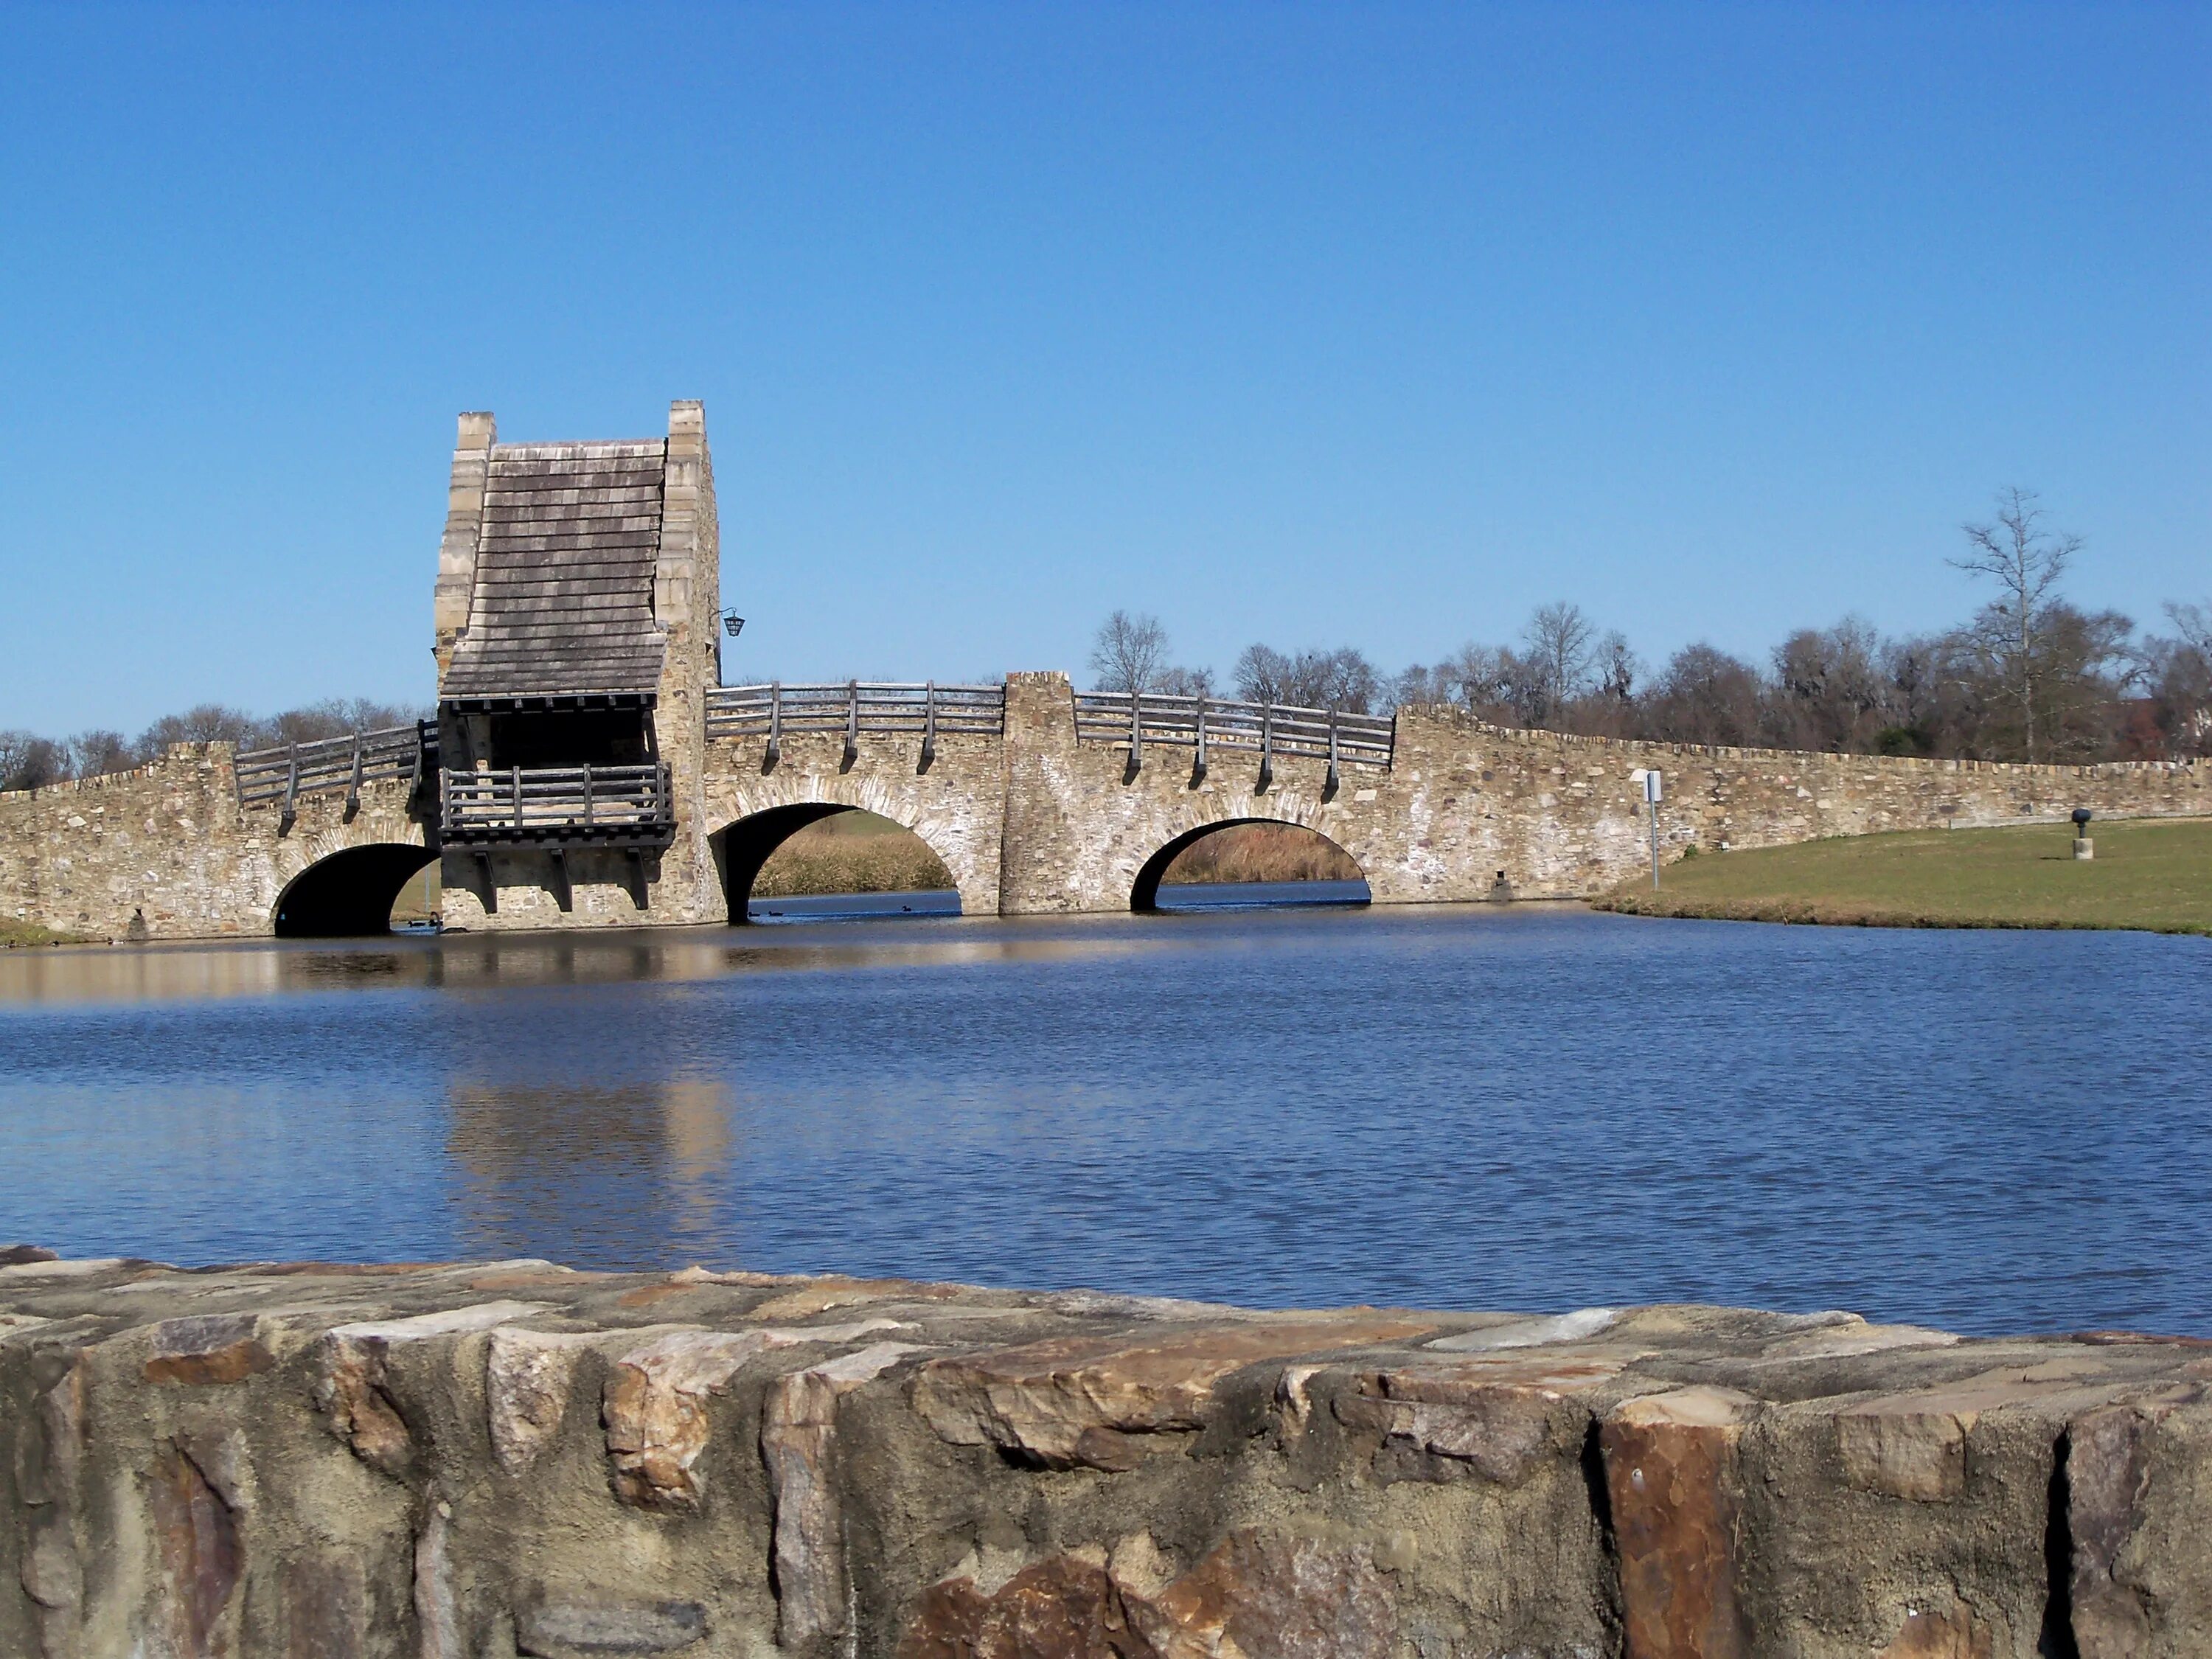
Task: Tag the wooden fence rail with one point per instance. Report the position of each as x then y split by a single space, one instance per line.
1201 723
286 772
856 708
519 805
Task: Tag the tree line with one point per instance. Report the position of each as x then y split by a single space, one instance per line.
2031 675
30 762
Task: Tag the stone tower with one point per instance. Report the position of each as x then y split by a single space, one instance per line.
578 592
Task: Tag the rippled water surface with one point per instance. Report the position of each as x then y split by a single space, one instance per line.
1521 1107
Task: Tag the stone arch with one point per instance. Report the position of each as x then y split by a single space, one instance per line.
767 816
1145 886
337 877
349 892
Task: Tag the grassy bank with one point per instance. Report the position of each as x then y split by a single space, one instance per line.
2148 874
14 935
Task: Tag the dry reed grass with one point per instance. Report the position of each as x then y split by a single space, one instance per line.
829 857
1262 852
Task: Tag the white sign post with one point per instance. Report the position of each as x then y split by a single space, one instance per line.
1654 792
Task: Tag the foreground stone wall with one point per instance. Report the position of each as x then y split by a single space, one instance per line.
510 1458
166 845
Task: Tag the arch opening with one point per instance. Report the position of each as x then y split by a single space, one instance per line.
1248 864
353 893
822 861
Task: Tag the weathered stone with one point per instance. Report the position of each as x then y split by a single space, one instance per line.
1060 1608
2107 1472
1528 1332
1904 1452
1672 1481
1496 1417
1095 1403
207 1349
1257 1594
1950 1633
437 1607
528 1376
655 1404
1288 1597
799 1427
352 1380
578 1628
325 1609
198 1538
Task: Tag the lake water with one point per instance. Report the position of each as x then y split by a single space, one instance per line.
1508 1106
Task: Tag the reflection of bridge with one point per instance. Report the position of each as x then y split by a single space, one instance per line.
587 769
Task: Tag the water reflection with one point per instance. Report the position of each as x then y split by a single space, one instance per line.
483 962
563 1170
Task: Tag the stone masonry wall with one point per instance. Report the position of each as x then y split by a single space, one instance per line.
170 842
326 1462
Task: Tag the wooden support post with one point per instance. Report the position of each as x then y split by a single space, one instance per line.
1330 786
490 891
1266 750
637 875
775 721
564 891
587 794
353 782
291 787
928 723
515 783
1136 731
852 721
1198 772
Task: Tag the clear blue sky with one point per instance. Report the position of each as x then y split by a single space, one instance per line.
1371 324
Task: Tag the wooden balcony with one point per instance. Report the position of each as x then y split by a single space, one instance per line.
620 806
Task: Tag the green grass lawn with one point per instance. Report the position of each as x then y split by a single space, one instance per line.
13 933
2148 873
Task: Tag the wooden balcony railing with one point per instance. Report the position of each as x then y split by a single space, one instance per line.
1202 723
292 770
557 805
856 708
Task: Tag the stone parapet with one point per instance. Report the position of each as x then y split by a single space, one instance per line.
512 1458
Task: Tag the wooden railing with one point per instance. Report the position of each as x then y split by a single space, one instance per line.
1203 723
856 708
537 806
285 773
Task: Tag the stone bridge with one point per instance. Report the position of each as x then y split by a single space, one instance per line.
1035 818
587 768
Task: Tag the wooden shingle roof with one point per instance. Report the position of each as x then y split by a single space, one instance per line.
562 602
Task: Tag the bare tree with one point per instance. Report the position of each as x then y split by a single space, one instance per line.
2193 623
1128 653
1342 679
30 762
1557 660
94 753
1264 675
2025 561
1480 680
1618 668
